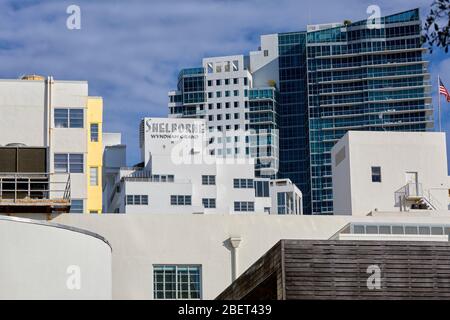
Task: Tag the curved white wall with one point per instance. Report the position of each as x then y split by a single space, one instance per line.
40 260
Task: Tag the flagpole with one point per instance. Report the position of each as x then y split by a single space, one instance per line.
439 103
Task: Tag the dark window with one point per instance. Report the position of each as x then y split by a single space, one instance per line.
208 180
94 132
76 206
69 163
376 174
209 203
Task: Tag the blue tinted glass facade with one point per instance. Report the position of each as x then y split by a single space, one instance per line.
293 112
362 78
264 119
191 82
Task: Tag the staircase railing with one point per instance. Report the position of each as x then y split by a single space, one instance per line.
415 192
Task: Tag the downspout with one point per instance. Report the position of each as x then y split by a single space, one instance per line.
49 134
235 242
48 107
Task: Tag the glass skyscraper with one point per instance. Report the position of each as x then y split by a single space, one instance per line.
363 76
309 88
293 110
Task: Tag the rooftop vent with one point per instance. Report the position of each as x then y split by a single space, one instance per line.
32 77
15 145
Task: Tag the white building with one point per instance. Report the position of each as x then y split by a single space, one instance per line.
286 197
178 175
62 125
236 96
114 158
390 171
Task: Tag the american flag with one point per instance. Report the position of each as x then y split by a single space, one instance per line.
443 90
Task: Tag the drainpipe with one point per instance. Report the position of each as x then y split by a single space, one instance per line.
235 242
48 107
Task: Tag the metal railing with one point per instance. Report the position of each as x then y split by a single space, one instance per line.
415 192
32 187
409 191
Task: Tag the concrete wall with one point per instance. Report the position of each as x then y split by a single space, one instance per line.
36 260
143 240
23 117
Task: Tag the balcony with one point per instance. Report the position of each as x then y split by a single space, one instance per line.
34 193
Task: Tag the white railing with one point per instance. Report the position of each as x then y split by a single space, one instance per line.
414 192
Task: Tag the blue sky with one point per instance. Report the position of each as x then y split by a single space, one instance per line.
131 51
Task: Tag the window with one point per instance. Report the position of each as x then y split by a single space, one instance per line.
209 203
218 105
227 93
218 94
180 200
177 282
61 118
208 180
69 163
261 189
227 105
236 81
218 82
244 206
210 95
94 132
236 104
210 106
209 83
130 200
235 65
376 174
243 183
227 116
236 93
227 81
236 115
68 118
137 200
245 81
93 176
266 53
76 206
